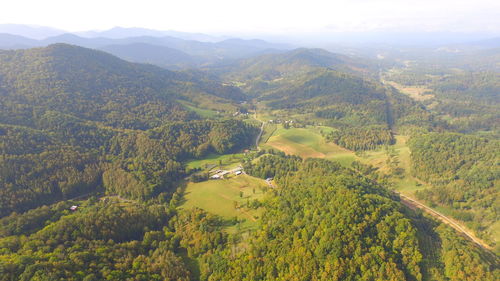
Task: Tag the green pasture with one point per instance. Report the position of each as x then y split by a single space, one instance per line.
222 197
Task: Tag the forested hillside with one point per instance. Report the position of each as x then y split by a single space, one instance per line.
101 88
463 89
76 121
330 89
464 172
102 161
158 55
328 223
109 241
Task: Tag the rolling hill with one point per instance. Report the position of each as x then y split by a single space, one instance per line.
94 85
291 63
158 55
133 47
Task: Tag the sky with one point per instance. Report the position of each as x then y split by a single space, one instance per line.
259 16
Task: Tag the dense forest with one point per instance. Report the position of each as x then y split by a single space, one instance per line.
135 165
361 138
95 157
56 150
108 241
359 232
302 241
464 172
468 100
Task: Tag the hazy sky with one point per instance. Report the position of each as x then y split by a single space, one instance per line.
258 16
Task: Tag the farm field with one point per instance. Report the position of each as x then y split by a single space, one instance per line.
226 161
408 184
416 93
220 197
206 113
267 133
307 143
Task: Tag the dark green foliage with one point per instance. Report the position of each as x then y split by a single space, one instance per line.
344 114
104 222
463 261
107 241
464 170
74 121
31 180
32 220
447 255
93 85
73 131
326 87
63 110
21 140
261 71
273 165
408 114
99 86
469 100
149 162
364 138
328 223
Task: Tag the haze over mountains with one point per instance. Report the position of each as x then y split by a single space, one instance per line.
144 45
137 154
183 50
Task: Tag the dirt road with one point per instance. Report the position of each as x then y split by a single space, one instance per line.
261 131
415 204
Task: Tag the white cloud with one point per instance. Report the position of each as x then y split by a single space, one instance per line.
258 15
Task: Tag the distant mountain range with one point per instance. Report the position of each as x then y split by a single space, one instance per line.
123 32
41 32
146 46
30 31
181 50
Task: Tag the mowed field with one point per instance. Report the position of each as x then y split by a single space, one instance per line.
308 143
226 160
408 184
220 197
416 93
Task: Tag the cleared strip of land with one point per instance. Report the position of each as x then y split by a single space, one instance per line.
416 204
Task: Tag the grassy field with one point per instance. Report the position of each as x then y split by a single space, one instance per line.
268 132
416 93
227 161
306 143
408 184
205 113
220 197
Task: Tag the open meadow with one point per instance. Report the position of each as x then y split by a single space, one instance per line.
227 198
